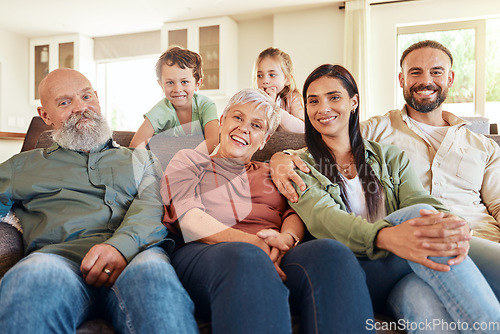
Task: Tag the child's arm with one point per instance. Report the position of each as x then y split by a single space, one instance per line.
212 135
143 135
292 120
297 106
290 123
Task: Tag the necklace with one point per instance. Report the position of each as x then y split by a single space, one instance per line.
346 168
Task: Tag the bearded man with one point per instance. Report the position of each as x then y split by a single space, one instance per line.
458 167
91 216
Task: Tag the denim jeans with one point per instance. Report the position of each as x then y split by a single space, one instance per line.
484 254
236 286
461 295
46 293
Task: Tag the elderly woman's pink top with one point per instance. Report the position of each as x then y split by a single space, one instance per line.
240 196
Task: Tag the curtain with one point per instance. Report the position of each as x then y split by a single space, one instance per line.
356 48
130 45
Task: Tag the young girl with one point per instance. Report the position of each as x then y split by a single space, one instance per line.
273 74
367 196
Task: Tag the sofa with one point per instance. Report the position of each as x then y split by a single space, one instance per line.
11 244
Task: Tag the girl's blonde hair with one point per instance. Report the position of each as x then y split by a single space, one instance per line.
286 66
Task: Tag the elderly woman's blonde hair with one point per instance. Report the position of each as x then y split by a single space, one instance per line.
262 101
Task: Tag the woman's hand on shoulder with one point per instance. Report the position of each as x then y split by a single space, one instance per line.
283 174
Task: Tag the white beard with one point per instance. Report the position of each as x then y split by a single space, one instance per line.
85 136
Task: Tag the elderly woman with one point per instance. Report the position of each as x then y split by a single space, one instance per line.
242 262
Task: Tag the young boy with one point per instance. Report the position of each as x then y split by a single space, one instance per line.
182 112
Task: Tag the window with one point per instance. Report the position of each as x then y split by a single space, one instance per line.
475 46
127 90
492 110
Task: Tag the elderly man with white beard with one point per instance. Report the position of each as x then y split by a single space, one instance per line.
91 216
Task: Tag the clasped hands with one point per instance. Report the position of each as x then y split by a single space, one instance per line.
276 246
434 234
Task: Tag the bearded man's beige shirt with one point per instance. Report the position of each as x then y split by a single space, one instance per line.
464 173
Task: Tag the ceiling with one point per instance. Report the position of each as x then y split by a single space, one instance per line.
32 18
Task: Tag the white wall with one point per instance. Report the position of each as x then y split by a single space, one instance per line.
15 109
9 147
253 37
384 21
311 37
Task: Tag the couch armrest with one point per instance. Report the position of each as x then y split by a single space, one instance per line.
11 247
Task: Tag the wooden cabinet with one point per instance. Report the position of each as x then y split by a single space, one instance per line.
215 39
67 51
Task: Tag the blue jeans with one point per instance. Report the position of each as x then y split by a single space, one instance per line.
46 293
419 295
236 286
484 253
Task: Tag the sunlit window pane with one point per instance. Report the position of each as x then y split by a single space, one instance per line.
493 70
461 43
127 90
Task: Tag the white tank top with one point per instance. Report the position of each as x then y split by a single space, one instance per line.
357 200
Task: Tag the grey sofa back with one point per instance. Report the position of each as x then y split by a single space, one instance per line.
495 138
165 147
